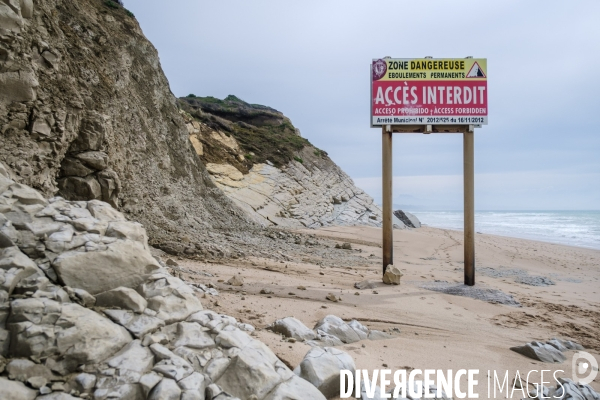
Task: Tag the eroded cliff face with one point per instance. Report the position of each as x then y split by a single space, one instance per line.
86 113
260 160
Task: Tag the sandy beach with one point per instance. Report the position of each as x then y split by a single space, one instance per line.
437 330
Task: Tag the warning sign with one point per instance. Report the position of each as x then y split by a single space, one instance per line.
476 72
428 91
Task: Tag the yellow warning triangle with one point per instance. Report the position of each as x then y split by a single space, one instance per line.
476 71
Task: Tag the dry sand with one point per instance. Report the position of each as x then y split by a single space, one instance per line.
437 330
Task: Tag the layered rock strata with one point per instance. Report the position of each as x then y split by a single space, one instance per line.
261 162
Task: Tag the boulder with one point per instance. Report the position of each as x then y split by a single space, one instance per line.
110 185
366 284
407 219
361 330
26 8
195 381
26 195
18 85
250 372
80 296
91 133
192 335
229 338
128 230
4 343
22 370
97 160
77 334
236 280
74 167
321 367
173 367
541 352
122 297
78 188
566 389
293 328
132 357
138 324
8 233
170 297
392 275
84 383
13 390
569 344
295 388
123 263
166 389
332 297
118 387
335 326
104 212
148 382
14 266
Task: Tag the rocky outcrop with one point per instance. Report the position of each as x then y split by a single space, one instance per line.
86 113
408 219
123 328
260 161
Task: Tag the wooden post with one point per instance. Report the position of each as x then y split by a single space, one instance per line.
469 200
388 227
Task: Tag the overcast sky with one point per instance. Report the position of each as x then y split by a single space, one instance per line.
310 60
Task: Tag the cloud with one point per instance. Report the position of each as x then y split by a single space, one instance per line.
310 60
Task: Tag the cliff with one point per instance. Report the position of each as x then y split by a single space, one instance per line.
261 162
86 113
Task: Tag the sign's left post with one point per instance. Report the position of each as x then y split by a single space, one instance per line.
388 226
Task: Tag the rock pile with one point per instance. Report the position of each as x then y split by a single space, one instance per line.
87 312
329 331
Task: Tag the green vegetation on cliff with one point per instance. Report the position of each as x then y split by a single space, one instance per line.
262 132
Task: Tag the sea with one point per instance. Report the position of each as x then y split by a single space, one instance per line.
573 228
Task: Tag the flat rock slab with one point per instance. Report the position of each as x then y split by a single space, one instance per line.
124 263
494 296
541 352
519 275
535 280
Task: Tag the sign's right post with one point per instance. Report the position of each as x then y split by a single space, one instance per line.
469 205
